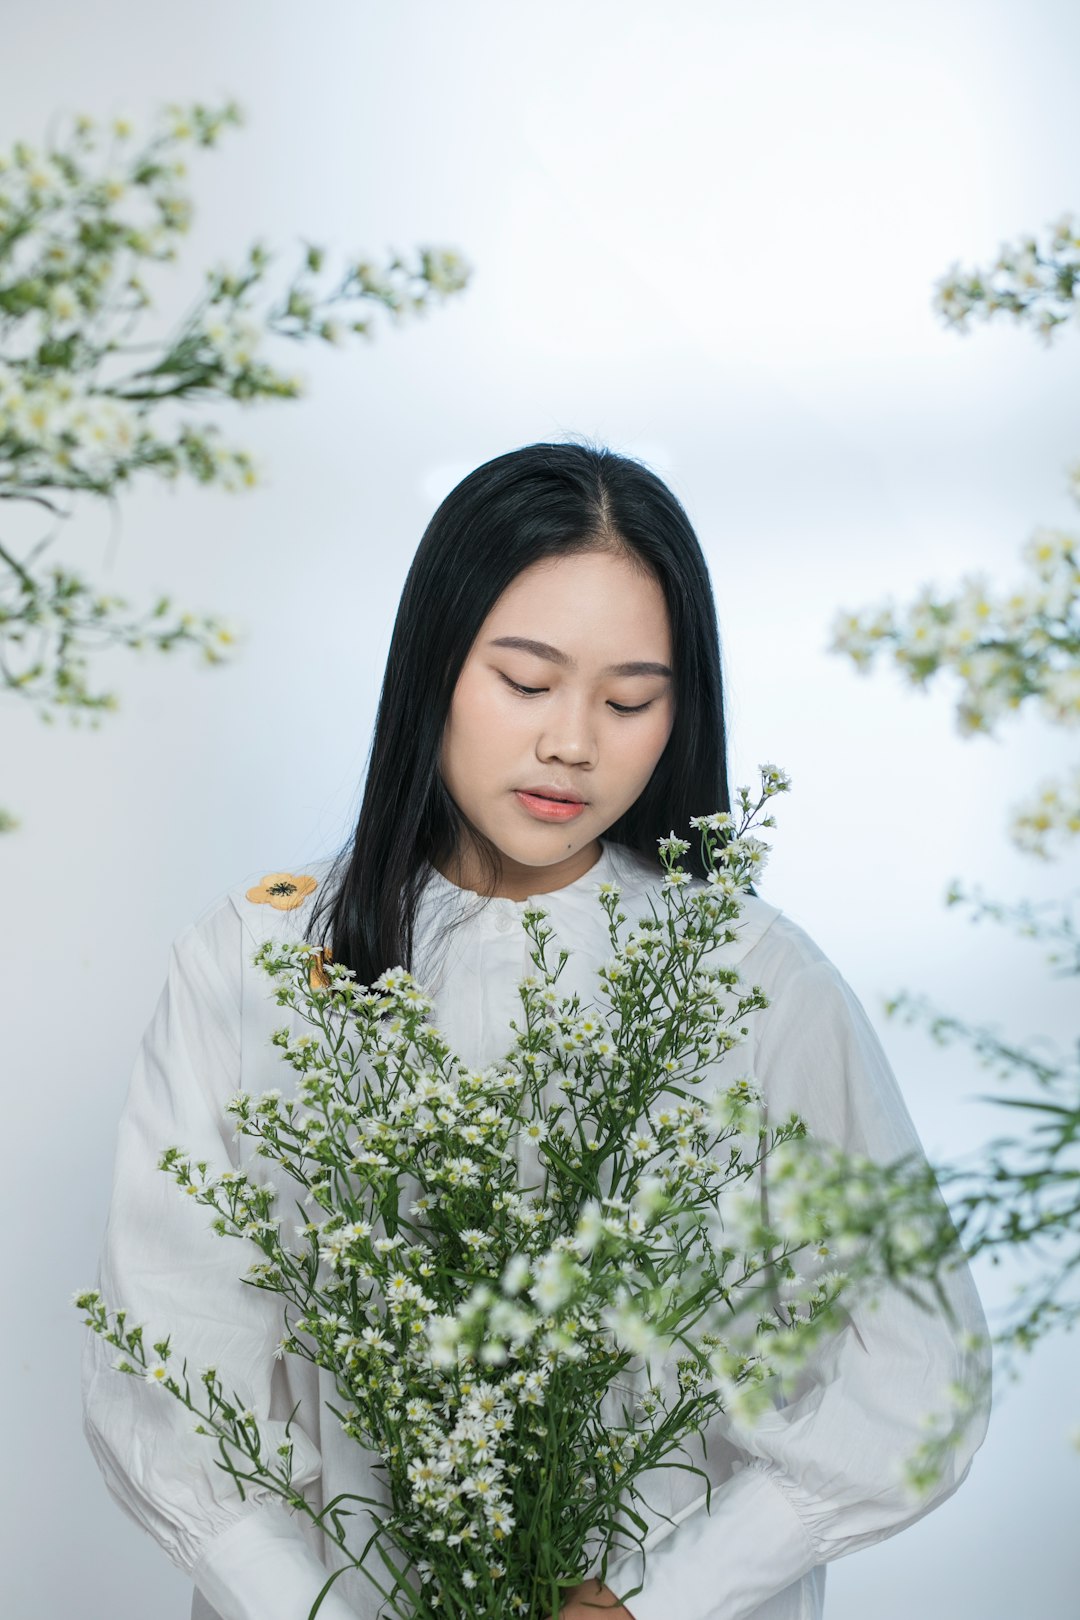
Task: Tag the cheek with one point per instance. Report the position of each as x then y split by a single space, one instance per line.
632 752
651 738
479 708
476 726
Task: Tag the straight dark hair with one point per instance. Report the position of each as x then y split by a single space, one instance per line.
537 502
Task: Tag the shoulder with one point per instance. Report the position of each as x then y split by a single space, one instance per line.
788 949
770 947
641 882
267 903
807 992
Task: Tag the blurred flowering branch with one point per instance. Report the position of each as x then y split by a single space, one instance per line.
1034 284
1020 1192
1007 649
88 401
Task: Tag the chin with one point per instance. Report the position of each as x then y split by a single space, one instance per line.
542 847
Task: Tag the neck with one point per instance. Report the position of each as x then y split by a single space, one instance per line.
516 881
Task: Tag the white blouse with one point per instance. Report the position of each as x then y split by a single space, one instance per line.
813 1480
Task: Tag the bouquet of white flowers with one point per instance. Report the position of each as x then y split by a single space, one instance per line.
527 1281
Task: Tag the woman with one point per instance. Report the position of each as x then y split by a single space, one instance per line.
552 706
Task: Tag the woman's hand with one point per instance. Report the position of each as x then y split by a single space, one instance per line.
582 1603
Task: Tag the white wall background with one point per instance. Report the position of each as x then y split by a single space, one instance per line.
705 233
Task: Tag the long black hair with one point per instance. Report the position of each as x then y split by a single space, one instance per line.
541 501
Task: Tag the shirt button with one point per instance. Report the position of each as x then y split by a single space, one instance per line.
504 920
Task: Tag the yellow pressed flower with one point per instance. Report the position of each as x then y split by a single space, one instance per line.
318 978
282 890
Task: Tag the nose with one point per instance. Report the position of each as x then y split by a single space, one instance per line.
568 735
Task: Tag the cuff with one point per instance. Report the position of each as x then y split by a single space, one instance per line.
261 1567
750 1545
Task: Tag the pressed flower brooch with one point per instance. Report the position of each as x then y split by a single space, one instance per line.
282 890
285 891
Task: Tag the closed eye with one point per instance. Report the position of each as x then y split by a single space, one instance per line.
619 708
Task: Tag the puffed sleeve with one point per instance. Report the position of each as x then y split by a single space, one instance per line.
162 1263
824 1475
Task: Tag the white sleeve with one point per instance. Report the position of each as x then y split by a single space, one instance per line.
162 1263
823 1475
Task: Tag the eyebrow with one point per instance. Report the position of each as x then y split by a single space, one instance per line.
541 649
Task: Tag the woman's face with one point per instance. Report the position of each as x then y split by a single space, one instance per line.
591 723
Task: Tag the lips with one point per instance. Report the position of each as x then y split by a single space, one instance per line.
544 808
559 795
